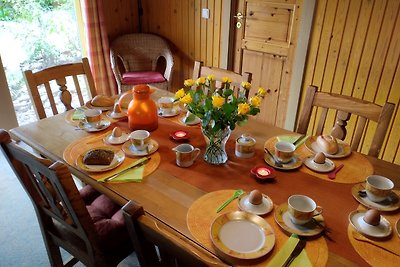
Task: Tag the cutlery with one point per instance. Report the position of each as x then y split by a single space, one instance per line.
296 251
299 139
325 230
137 165
362 238
277 162
332 174
237 194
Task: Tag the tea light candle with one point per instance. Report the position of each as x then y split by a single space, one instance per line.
180 134
263 173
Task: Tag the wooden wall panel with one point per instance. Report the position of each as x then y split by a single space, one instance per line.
354 50
191 37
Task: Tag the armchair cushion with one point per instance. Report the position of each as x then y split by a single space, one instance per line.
139 77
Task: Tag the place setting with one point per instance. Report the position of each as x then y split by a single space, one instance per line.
93 121
140 144
283 156
167 107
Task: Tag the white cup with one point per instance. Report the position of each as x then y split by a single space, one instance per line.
93 116
284 151
140 139
378 187
186 154
302 209
166 104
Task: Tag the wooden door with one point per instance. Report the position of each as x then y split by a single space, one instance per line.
265 45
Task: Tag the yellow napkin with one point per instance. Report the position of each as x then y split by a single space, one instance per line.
280 258
133 175
291 139
78 115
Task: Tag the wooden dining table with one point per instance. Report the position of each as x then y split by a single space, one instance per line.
175 197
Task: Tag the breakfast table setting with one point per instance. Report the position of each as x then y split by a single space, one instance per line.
279 199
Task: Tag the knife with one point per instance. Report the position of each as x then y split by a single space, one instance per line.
299 140
296 251
138 163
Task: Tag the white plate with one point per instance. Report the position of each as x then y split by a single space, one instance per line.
242 235
265 207
174 112
89 105
104 124
291 165
115 116
119 157
194 122
116 140
383 229
344 149
328 166
131 151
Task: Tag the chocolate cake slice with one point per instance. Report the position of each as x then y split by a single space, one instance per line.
98 157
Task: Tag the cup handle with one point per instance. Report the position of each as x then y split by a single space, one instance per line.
196 153
318 211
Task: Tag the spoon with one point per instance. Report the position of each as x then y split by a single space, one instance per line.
360 237
237 194
332 174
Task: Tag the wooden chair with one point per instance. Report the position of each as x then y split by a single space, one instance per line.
346 106
158 245
141 58
85 223
199 70
58 75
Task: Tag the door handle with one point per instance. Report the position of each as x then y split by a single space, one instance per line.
239 16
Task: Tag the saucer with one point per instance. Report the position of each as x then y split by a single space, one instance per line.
104 123
119 157
265 207
116 140
344 149
390 204
291 165
282 218
131 151
328 166
114 115
356 219
173 113
397 227
89 105
193 122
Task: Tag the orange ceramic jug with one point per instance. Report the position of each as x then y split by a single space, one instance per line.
142 110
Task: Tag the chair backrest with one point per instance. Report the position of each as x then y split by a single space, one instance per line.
146 233
345 107
61 212
140 52
57 76
199 70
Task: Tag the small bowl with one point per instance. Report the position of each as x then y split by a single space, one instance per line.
263 173
179 135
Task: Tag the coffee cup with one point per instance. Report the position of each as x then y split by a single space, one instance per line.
186 154
378 188
140 139
93 117
166 104
302 209
284 151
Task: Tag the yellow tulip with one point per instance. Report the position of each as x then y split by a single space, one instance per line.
246 85
180 93
261 91
201 81
187 99
218 101
188 83
243 108
226 80
211 77
255 101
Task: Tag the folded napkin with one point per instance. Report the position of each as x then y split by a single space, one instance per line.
79 114
280 258
133 175
291 139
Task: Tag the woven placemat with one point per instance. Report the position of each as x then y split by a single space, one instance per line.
356 166
78 147
202 213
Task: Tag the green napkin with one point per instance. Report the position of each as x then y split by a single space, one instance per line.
280 258
78 115
292 139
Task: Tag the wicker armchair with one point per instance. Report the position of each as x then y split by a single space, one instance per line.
136 59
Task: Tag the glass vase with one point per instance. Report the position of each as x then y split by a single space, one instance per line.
216 141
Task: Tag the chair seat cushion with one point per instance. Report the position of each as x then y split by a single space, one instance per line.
139 77
107 218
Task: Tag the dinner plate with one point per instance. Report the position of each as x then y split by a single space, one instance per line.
383 229
390 204
104 124
116 140
327 166
131 151
265 207
291 165
242 235
111 114
119 157
173 113
282 218
344 149
89 105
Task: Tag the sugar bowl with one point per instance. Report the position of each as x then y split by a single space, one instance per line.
245 146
